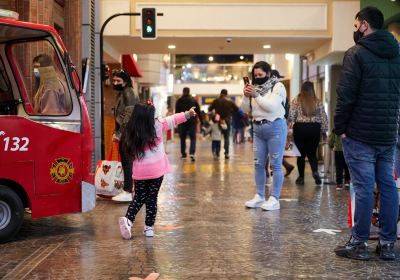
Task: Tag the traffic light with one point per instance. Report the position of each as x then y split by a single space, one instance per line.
149 23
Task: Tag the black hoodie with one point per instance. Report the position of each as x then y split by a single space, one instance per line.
368 93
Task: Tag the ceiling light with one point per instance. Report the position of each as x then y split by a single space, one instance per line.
211 58
267 46
171 47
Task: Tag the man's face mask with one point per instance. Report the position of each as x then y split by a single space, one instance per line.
36 73
260 81
357 35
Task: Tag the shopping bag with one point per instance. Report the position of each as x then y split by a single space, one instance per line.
374 231
291 150
109 176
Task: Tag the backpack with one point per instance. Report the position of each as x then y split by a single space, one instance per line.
287 107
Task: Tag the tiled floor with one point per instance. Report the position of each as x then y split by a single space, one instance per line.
203 231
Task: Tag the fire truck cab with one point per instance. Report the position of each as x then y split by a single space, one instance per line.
45 132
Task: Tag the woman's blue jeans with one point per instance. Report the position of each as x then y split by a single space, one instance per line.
269 141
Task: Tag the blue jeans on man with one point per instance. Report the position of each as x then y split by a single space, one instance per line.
369 164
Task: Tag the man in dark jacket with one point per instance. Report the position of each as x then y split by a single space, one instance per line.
224 107
184 103
367 110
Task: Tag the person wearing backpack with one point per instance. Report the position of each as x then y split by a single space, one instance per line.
264 98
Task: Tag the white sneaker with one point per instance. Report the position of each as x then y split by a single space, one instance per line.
271 204
125 227
123 197
255 202
148 231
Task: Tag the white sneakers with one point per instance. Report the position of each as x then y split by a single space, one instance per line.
148 231
271 204
125 227
123 197
256 202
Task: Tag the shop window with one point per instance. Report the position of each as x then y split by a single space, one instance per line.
44 85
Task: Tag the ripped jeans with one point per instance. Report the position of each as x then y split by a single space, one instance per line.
269 141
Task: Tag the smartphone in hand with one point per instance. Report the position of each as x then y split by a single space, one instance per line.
246 81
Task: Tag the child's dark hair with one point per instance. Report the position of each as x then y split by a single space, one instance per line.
140 133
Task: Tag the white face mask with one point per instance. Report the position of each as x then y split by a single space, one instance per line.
36 73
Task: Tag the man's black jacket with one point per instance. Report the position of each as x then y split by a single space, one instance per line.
184 103
368 93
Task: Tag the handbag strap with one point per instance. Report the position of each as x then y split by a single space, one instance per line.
110 153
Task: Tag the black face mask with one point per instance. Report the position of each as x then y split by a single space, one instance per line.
260 81
119 87
357 35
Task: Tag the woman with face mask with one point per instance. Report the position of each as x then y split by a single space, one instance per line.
266 98
125 101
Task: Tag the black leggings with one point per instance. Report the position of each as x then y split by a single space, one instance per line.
306 137
146 192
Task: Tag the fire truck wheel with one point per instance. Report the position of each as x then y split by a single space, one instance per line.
11 213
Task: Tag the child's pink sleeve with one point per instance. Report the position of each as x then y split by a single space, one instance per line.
172 121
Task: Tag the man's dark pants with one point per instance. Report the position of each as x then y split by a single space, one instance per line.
184 131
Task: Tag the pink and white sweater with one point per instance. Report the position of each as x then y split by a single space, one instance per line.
155 162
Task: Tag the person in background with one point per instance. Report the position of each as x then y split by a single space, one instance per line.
216 129
184 103
125 101
224 107
144 143
265 98
366 118
238 126
288 167
309 120
335 143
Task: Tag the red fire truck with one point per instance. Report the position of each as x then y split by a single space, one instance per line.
45 132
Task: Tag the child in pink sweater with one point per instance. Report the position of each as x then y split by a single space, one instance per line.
143 141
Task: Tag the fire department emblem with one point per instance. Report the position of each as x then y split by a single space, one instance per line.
62 170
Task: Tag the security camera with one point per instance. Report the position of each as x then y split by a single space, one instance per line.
229 40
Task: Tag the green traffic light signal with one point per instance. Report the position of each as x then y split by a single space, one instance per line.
149 23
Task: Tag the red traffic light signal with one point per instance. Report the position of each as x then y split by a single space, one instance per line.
149 23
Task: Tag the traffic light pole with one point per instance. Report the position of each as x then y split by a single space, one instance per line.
102 71
102 74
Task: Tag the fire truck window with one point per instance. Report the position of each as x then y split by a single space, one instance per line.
7 102
44 78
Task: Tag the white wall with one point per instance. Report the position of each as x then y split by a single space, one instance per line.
119 25
343 13
239 16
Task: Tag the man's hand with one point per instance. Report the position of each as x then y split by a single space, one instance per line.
343 136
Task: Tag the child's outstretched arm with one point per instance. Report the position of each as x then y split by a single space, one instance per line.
172 121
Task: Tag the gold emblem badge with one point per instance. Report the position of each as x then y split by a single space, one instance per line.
62 170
